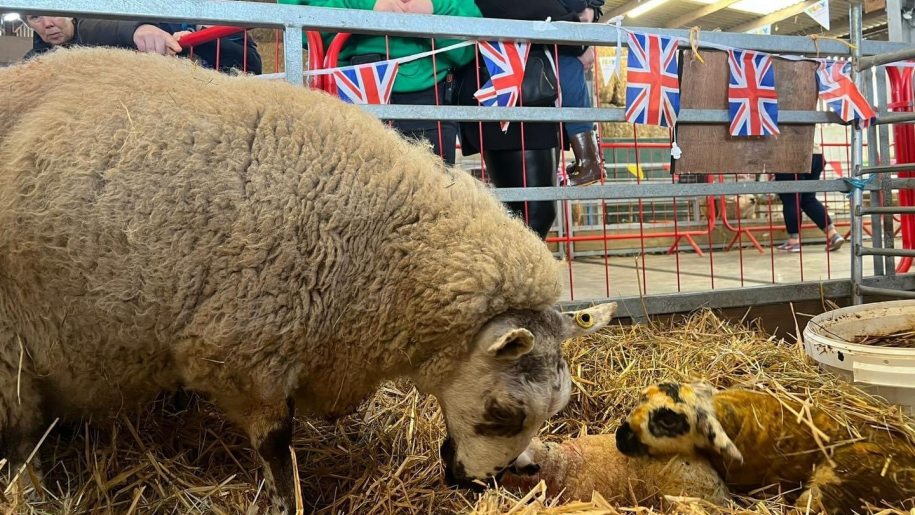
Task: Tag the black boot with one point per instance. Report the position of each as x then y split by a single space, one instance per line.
587 168
504 168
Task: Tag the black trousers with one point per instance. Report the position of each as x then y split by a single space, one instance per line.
807 202
441 135
531 168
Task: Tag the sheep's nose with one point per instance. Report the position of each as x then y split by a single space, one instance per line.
455 476
628 442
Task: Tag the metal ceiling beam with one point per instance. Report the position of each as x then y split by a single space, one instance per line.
695 15
775 17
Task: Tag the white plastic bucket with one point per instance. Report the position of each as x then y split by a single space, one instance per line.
888 372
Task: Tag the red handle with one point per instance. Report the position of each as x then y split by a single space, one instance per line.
206 35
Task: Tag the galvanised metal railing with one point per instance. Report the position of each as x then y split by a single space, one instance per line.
292 20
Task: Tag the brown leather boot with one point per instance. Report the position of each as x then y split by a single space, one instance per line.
587 168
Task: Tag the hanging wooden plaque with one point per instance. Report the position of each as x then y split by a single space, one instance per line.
710 149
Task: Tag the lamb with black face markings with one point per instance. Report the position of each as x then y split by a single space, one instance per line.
754 442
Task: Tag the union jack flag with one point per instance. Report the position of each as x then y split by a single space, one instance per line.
841 95
752 99
653 85
367 84
505 62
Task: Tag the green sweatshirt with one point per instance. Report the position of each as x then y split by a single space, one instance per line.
414 75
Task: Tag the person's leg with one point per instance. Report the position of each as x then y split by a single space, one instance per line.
531 168
574 91
790 213
587 167
814 209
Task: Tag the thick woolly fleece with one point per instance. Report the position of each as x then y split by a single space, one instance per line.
164 224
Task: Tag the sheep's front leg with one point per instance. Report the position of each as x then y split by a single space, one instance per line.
269 428
273 442
21 416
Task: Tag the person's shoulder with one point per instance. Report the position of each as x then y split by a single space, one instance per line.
38 47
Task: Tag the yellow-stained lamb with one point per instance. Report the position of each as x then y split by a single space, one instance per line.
755 440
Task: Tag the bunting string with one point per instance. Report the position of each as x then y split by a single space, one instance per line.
652 62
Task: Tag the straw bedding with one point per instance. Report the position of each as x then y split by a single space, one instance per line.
384 459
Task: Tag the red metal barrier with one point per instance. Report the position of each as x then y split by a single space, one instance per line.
332 58
901 99
316 58
206 35
315 47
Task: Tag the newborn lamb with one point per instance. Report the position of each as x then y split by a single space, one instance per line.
577 467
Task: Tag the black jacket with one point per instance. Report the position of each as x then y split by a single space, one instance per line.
537 10
119 34
90 32
537 135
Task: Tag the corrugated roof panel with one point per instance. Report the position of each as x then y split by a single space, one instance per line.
728 18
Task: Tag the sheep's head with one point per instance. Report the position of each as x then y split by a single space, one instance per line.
674 418
513 380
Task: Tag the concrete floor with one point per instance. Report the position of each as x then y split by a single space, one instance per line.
594 277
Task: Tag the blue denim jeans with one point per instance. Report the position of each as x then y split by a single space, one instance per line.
574 91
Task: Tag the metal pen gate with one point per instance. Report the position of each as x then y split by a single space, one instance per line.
668 295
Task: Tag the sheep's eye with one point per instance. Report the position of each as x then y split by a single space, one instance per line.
667 422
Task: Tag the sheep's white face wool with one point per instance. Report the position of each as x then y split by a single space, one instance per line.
514 379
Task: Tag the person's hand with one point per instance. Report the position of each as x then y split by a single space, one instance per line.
586 16
418 6
390 6
587 58
152 39
180 34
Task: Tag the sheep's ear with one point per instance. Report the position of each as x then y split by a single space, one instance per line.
511 344
709 427
589 320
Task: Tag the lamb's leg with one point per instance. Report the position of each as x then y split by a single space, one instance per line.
269 427
870 471
826 493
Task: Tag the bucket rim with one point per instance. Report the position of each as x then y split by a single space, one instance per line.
812 330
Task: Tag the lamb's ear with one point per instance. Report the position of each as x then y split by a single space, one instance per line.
511 344
589 320
709 427
704 391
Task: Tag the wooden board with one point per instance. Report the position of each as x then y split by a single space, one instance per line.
874 5
710 149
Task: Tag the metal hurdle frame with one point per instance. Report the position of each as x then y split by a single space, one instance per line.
293 20
878 166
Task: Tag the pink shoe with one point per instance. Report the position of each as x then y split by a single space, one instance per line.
835 243
790 247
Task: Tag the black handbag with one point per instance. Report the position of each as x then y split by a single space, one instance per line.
539 87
